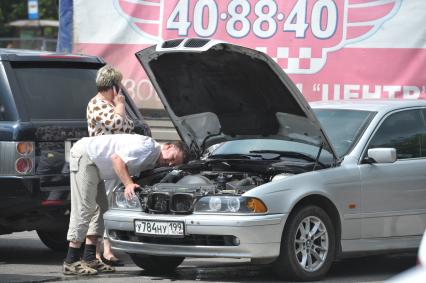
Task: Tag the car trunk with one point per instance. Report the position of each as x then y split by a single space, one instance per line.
52 97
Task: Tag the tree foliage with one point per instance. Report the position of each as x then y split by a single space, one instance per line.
12 10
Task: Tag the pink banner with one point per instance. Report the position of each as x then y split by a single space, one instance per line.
332 49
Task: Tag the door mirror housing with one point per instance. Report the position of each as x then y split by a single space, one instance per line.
381 155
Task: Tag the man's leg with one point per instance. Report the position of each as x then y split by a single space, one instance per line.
96 229
96 225
84 180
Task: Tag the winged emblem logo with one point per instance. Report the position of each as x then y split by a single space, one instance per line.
306 31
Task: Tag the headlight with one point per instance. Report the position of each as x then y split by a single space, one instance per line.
120 201
215 204
230 204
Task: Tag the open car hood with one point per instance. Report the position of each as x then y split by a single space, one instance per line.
215 92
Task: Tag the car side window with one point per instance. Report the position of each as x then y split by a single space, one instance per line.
405 131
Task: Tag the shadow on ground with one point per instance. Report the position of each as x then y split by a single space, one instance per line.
28 251
363 269
44 266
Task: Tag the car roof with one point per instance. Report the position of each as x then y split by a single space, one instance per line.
23 51
9 54
369 105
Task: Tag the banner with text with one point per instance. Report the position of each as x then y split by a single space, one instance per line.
332 49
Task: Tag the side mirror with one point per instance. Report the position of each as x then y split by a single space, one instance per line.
381 155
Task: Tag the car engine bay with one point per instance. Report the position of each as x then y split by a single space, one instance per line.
176 190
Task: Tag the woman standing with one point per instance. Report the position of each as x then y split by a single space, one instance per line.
106 111
106 115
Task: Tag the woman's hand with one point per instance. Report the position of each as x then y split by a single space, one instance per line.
119 99
119 102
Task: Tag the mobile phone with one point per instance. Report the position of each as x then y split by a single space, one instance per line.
116 88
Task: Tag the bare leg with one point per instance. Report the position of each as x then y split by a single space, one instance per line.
75 245
99 250
108 251
91 240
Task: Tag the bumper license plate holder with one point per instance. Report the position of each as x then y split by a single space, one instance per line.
159 228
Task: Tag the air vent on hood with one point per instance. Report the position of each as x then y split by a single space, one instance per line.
172 43
196 42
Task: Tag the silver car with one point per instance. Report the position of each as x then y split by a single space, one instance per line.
274 179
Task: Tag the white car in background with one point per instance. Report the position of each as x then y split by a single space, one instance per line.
418 273
421 256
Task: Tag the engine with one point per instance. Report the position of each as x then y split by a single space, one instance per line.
178 191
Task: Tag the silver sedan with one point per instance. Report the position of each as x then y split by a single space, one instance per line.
275 179
371 200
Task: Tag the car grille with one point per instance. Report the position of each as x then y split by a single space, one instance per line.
189 240
170 203
196 42
172 43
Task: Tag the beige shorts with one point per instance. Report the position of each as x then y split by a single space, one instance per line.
88 197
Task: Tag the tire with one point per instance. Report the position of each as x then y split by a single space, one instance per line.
54 240
303 256
157 264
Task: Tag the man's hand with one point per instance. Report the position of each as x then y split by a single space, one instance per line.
120 169
129 191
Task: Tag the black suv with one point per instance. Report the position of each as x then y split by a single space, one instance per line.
43 99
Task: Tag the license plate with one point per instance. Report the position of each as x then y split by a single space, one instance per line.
160 228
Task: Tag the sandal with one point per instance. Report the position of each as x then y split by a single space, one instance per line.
100 266
78 268
113 261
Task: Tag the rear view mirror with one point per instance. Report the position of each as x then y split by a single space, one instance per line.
382 155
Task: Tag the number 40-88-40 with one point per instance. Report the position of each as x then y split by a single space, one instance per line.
323 19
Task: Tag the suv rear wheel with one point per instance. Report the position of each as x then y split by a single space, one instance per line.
55 240
308 245
157 264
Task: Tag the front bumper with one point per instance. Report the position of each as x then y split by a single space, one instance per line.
257 236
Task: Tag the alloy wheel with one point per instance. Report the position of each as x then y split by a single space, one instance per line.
311 243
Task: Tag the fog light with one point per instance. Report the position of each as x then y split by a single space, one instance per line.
112 234
236 241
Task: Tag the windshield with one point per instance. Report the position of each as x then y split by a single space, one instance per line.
253 146
343 126
63 92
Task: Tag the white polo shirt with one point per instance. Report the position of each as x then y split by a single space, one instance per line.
139 152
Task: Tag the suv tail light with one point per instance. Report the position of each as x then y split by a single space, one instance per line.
23 165
24 148
17 158
24 159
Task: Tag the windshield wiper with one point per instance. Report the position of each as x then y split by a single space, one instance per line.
291 154
234 156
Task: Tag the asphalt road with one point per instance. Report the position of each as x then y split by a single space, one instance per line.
24 258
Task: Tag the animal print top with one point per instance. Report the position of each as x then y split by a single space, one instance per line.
102 120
